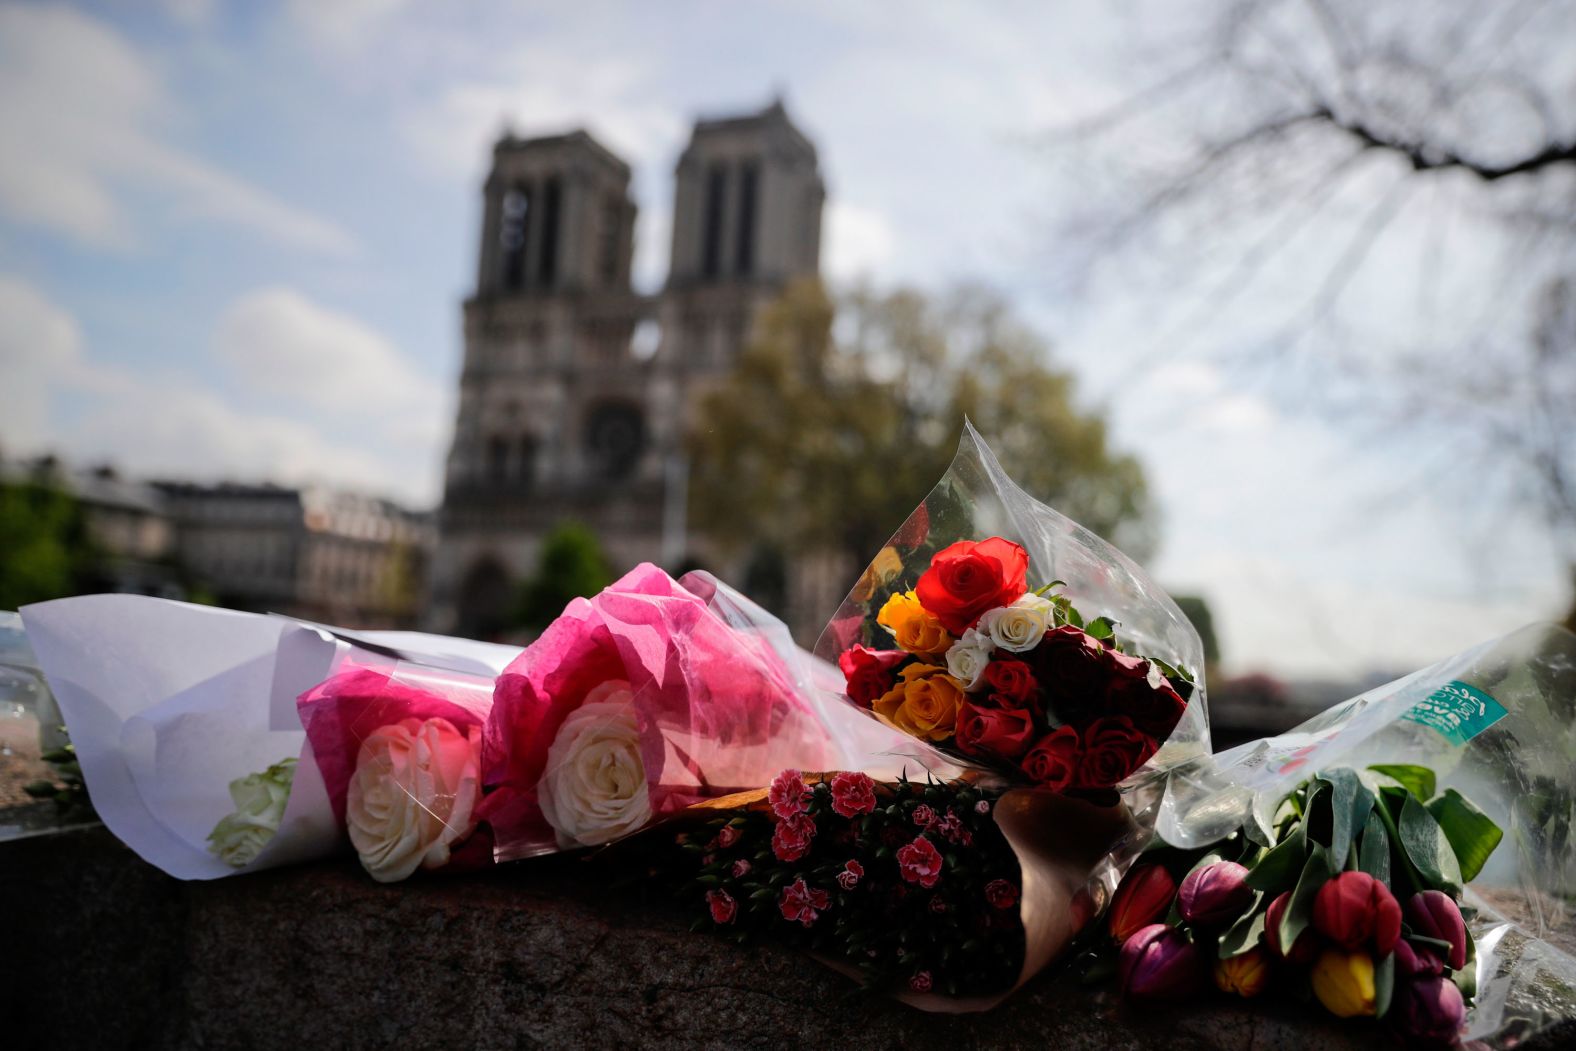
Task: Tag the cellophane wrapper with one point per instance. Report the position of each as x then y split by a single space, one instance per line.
722 700
1498 724
976 499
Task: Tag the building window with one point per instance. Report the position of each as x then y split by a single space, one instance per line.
744 245
716 186
497 459
525 467
615 437
612 238
547 265
513 228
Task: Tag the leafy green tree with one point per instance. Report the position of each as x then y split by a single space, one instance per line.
1197 610
839 417
45 551
572 565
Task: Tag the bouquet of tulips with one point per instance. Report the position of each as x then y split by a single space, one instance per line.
1356 901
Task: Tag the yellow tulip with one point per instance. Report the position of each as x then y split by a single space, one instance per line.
1344 982
1246 975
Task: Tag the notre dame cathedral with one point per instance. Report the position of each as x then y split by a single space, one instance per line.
576 390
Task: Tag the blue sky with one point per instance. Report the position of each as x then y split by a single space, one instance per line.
234 240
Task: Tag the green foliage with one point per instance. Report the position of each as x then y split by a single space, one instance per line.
572 566
1197 611
825 442
45 552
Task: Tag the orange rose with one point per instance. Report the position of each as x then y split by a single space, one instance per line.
924 703
914 629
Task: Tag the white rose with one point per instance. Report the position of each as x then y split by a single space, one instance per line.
594 787
412 796
967 657
259 806
1018 628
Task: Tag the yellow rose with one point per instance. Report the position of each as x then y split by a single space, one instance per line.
1245 975
924 703
882 571
1344 982
914 629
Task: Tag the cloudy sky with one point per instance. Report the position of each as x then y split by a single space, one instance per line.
234 240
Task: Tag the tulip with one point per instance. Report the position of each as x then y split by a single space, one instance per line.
1412 961
1246 975
1354 910
1215 895
1307 945
1143 898
1344 982
1433 914
1429 1010
1159 963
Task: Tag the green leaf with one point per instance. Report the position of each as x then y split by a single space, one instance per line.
1426 845
1101 627
1473 835
1245 933
1350 804
1384 984
1418 780
1373 856
1278 869
1299 910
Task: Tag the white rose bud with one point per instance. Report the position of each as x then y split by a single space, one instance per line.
412 796
1018 628
594 787
259 806
967 657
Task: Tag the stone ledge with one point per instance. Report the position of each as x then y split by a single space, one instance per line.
104 951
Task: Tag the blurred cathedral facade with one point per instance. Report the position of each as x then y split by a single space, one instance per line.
576 391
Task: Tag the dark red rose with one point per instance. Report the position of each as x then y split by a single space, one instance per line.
968 578
1074 670
1011 681
869 673
1154 710
1053 761
1125 666
994 732
1001 894
1112 749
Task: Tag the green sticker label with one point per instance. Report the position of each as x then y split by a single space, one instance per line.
1458 711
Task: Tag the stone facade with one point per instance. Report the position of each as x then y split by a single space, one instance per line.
576 391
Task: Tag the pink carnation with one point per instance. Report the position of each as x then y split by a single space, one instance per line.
920 983
982 807
923 816
791 839
853 794
801 904
920 862
741 868
951 829
848 879
789 795
723 907
727 837
938 904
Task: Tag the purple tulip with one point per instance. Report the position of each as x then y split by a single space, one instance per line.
1215 895
1412 961
1159 963
1433 914
1429 1010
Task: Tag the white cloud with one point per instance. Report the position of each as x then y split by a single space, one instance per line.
341 24
84 118
57 398
860 241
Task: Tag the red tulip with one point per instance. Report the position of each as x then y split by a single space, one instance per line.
1215 895
1159 963
1354 910
1144 897
1429 1010
1433 914
1306 946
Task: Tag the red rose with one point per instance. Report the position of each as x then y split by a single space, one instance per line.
1154 710
723 907
802 904
1011 681
853 794
791 838
1001 894
1112 749
869 673
968 578
920 862
1053 761
994 732
1074 670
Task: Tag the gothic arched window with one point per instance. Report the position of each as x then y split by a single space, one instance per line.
513 227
